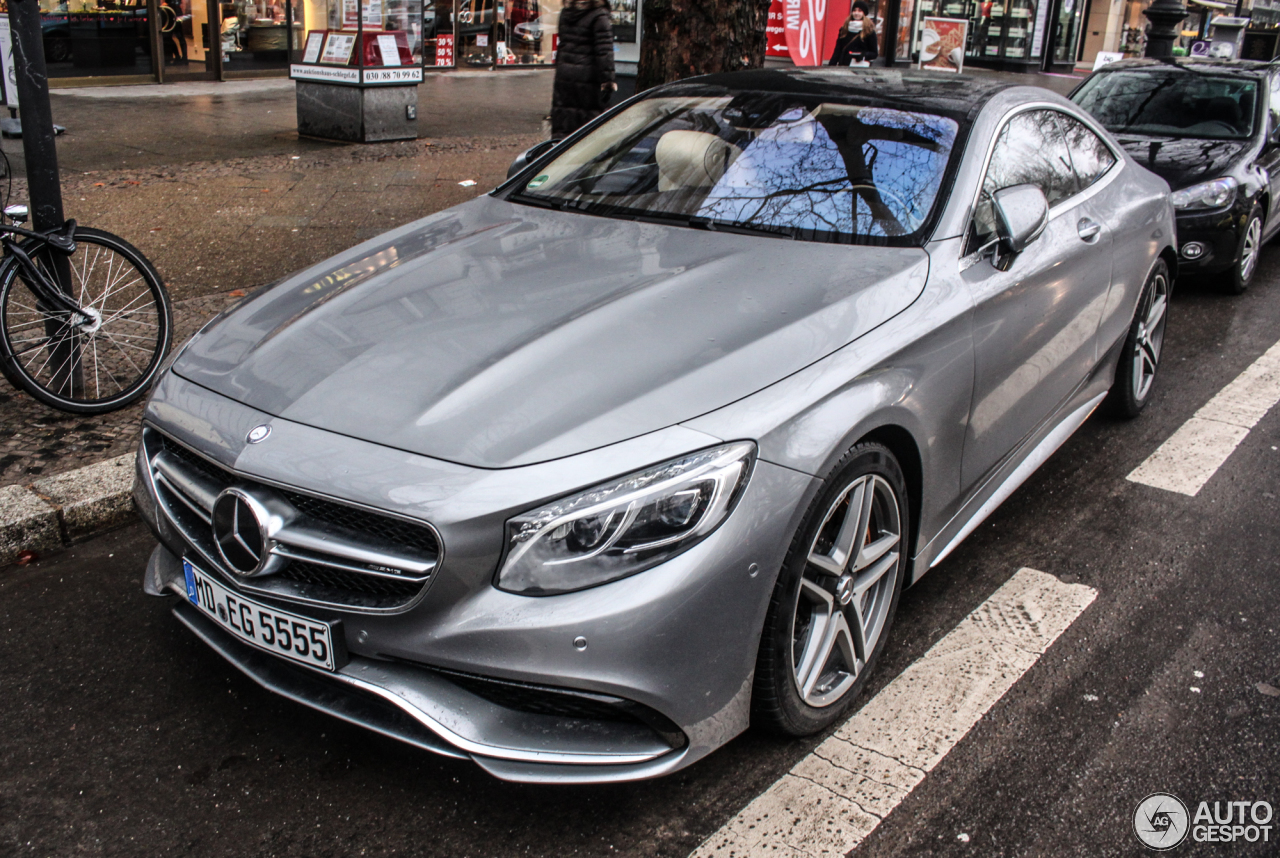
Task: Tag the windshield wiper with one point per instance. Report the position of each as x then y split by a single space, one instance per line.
536 202
710 225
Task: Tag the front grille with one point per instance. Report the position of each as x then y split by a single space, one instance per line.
342 581
393 530
327 552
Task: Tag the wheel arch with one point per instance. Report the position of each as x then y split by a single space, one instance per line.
904 448
1170 257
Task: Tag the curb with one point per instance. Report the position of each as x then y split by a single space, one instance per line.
64 509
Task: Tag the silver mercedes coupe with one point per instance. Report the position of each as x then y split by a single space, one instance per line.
580 478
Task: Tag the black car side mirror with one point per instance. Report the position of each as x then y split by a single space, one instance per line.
1022 213
529 155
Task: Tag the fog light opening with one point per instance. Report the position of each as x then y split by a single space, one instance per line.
1192 250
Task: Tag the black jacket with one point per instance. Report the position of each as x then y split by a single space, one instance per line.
855 46
584 61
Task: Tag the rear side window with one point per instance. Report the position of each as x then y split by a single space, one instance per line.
1089 155
1031 149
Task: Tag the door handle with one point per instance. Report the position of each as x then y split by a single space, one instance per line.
1088 229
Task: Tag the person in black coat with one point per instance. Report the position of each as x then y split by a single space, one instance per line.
857 42
584 66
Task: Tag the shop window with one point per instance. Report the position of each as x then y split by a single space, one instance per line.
367 33
95 37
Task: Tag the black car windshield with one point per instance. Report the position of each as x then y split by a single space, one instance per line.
781 164
1172 103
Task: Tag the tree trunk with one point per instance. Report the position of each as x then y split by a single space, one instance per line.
683 38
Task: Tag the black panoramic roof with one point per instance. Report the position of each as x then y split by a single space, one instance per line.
928 92
1247 68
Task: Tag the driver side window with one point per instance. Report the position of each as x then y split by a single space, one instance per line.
1031 149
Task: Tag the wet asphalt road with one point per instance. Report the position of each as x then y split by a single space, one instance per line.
125 736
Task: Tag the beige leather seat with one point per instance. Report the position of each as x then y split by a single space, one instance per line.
692 159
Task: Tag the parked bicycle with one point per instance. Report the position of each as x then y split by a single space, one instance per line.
85 320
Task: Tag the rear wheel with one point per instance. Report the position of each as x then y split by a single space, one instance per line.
1140 357
835 597
98 360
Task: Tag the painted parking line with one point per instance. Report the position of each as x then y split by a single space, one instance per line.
833 798
1193 454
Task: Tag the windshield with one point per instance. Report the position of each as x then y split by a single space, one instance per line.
1172 103
777 164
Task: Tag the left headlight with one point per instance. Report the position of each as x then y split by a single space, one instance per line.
1206 195
626 525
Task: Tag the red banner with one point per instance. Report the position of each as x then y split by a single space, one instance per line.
775 32
812 27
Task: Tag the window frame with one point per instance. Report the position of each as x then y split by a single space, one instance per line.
970 255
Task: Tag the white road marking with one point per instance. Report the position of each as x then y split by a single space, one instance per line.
833 798
1193 454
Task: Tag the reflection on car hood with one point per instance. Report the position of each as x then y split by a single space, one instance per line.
497 335
1184 162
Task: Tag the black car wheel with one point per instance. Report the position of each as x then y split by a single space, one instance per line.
1140 358
835 598
1241 273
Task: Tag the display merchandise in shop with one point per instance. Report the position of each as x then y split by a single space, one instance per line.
362 42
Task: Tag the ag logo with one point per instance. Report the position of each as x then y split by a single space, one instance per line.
1161 821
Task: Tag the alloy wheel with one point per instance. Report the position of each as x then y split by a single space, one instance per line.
1150 338
1249 253
846 591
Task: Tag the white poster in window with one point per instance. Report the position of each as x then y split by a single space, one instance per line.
482 40
350 14
337 48
314 42
390 50
1037 41
6 63
373 14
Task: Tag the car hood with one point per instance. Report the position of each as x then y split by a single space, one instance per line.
1185 162
498 335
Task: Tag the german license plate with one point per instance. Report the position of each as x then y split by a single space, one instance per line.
288 635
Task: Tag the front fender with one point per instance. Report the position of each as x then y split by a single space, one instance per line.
913 374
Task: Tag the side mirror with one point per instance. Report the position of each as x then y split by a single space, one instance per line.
1022 213
529 155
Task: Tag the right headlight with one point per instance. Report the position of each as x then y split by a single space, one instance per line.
626 525
1206 195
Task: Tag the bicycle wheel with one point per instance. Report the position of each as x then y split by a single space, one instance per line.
95 362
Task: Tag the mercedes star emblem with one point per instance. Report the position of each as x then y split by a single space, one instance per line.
258 434
238 531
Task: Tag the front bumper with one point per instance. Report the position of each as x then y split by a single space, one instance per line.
673 648
1219 233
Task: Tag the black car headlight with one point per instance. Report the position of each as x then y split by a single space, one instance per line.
1206 195
626 525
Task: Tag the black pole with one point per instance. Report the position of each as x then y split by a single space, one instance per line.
44 185
43 181
1165 16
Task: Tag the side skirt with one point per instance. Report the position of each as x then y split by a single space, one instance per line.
1038 456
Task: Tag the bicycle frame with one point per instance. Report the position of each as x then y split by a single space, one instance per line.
62 240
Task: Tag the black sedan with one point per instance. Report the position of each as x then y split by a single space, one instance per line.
1211 129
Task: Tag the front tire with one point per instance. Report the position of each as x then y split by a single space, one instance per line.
1140 355
1240 276
836 596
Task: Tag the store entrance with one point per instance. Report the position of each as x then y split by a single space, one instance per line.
1063 35
185 40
